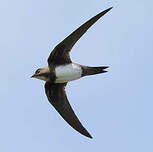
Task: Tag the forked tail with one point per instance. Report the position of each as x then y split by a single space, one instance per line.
93 70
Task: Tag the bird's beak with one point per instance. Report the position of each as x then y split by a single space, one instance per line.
33 76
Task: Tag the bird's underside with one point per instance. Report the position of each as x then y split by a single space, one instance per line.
57 62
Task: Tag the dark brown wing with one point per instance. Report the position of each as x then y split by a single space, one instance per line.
57 97
60 54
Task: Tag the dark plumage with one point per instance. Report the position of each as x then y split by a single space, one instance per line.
61 70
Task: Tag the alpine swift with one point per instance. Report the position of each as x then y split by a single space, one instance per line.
61 70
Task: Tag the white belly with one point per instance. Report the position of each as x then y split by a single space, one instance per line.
67 73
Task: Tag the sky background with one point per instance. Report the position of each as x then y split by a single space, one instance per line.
116 107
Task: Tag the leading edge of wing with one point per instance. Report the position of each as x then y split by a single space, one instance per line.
75 36
57 97
61 51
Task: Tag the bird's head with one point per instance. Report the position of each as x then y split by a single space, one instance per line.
42 74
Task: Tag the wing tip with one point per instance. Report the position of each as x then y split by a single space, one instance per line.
104 12
86 133
89 136
108 9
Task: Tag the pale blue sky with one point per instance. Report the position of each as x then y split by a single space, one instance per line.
115 107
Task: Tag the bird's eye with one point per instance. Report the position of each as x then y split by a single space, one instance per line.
38 71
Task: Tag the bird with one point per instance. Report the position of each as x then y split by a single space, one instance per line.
61 70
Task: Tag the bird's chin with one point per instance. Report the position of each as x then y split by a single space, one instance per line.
41 78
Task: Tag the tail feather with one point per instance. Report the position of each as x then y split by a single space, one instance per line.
93 70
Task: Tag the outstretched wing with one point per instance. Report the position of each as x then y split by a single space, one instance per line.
57 97
60 54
